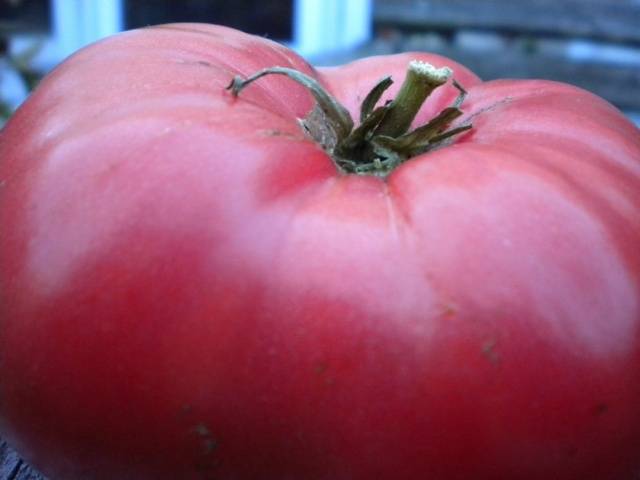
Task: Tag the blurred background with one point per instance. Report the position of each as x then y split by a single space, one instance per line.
591 43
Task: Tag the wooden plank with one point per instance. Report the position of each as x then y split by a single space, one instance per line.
617 20
12 467
9 462
619 84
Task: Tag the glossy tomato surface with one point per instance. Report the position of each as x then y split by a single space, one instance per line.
190 289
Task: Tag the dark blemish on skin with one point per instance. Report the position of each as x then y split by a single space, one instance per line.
274 132
321 369
209 445
489 351
201 429
207 441
199 63
490 108
600 409
206 462
449 310
185 409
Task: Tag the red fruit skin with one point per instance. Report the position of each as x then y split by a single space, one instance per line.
189 289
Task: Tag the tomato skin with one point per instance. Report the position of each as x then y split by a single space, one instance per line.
189 289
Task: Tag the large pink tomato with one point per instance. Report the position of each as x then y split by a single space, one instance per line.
197 284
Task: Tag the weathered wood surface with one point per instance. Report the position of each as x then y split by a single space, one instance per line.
617 20
533 39
619 84
12 467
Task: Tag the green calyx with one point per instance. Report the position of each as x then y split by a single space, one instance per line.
382 140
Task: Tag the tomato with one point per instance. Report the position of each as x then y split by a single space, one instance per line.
190 288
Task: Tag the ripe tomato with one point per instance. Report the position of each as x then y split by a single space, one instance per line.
190 288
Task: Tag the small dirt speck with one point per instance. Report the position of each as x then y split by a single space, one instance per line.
207 442
600 409
322 370
448 310
490 352
274 132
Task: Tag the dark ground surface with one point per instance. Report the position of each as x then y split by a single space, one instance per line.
12 467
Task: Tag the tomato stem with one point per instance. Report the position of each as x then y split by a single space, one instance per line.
336 114
381 142
422 79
